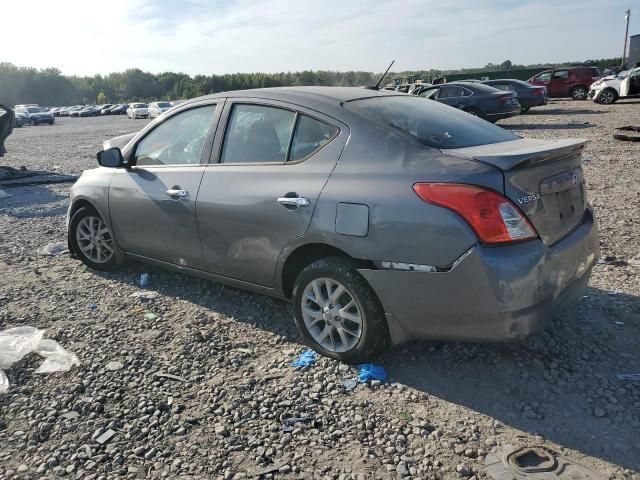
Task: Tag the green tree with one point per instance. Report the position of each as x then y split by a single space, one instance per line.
101 99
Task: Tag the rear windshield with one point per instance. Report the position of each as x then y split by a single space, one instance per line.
163 104
432 123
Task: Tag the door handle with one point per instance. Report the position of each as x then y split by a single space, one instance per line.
175 192
294 201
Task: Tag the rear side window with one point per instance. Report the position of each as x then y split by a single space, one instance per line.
502 86
451 92
431 123
258 134
563 74
543 77
310 136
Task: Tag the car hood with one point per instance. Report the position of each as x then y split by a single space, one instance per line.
118 142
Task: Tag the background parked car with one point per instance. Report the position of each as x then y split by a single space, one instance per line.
74 111
37 115
119 109
571 82
138 110
528 95
88 111
105 109
158 108
609 89
20 119
474 98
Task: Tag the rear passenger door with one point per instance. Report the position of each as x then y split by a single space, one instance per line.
259 193
560 83
452 95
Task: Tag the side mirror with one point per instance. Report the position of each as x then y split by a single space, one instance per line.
111 157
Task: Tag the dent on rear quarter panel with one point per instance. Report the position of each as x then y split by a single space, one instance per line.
378 168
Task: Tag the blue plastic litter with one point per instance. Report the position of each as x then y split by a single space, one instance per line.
369 371
305 359
93 306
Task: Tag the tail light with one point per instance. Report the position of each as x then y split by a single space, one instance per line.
492 216
538 91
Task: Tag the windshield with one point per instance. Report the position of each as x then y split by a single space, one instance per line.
139 105
34 109
432 123
163 104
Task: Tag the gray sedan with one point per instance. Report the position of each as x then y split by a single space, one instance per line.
382 217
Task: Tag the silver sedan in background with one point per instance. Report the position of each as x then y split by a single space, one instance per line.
383 217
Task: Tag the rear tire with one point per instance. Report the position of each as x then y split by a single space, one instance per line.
524 109
92 241
608 96
579 93
337 313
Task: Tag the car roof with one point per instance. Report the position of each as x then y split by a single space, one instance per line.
323 94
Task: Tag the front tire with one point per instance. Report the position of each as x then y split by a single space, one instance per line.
579 93
90 238
337 313
524 109
608 96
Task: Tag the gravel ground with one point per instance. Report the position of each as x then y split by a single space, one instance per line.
196 382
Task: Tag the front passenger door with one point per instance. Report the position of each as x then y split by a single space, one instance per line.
152 202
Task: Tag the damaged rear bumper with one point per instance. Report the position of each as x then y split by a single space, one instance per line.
493 294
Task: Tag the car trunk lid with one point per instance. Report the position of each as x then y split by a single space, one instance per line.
543 178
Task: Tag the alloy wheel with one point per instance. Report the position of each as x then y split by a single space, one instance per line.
94 239
331 315
580 93
607 97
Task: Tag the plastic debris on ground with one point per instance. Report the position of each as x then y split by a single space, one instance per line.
144 280
150 316
370 371
17 342
55 249
93 306
57 359
629 376
145 295
305 359
288 423
349 383
4 194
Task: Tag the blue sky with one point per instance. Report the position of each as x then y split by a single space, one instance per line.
217 36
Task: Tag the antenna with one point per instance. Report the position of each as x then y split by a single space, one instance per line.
377 87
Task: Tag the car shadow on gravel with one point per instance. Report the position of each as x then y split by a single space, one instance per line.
560 384
261 311
33 201
548 126
561 111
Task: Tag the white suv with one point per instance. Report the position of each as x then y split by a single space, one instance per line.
609 89
138 110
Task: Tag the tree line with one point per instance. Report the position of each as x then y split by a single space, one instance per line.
50 87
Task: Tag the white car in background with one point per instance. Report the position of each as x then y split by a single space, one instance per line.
609 89
138 110
158 108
